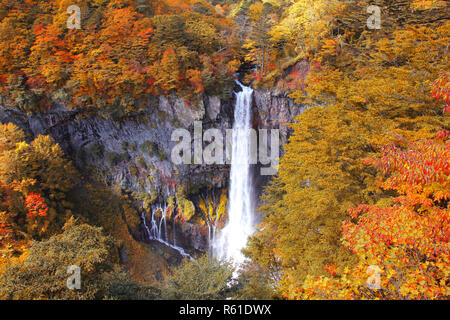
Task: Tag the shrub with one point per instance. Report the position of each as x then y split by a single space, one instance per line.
150 148
114 158
204 279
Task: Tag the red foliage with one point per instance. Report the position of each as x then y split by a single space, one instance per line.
443 135
168 212
426 162
204 230
441 90
316 65
3 228
331 268
36 82
409 237
182 218
36 205
258 76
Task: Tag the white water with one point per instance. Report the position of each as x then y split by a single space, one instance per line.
158 230
233 237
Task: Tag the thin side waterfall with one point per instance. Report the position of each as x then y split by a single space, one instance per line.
233 237
158 229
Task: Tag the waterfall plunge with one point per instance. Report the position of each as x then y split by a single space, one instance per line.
233 237
158 229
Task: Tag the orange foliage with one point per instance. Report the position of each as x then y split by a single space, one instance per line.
408 239
405 239
120 54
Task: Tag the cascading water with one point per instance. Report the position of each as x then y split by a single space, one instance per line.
158 230
233 237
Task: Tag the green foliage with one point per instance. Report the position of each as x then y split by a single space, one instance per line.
150 147
96 149
153 150
254 284
133 170
140 162
43 273
133 147
115 212
114 158
203 279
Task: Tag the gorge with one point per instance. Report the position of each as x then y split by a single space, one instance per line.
133 154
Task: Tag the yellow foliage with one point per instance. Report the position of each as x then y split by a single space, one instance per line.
187 209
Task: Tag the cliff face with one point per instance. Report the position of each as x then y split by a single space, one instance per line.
274 110
135 153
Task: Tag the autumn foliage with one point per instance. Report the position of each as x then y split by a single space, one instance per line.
360 207
363 185
407 238
442 90
35 179
36 205
125 53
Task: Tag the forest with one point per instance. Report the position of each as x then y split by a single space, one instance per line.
359 208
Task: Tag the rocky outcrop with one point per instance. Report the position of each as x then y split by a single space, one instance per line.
273 110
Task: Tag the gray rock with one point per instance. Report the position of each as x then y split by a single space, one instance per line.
213 108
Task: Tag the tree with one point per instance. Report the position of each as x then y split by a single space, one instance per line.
258 41
402 232
254 283
406 238
43 273
124 52
320 177
202 279
441 90
35 205
35 179
364 89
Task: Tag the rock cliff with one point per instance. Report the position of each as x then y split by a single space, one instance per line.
135 154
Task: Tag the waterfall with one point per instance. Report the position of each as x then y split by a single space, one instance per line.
233 237
158 229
